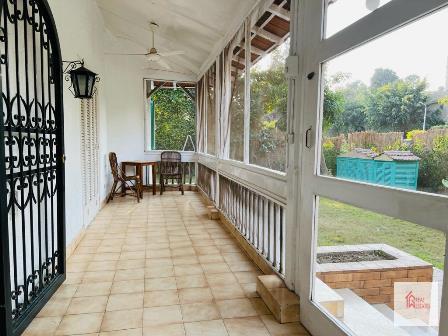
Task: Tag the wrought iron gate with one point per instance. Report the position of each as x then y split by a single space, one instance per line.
32 231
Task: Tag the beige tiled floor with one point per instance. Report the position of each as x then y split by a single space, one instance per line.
158 268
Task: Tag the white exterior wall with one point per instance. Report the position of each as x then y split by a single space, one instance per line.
81 34
126 118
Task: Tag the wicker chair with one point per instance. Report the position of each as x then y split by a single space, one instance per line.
122 182
170 168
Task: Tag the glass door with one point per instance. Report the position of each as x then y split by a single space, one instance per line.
374 175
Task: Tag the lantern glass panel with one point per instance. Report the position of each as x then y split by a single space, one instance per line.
82 84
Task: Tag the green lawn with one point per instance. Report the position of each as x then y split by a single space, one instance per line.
341 224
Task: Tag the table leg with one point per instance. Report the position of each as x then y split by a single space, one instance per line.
154 179
140 173
123 185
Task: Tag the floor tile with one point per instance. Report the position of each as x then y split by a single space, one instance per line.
206 328
159 271
99 276
122 319
246 277
109 265
161 315
211 268
128 332
86 305
185 260
165 330
195 295
130 264
260 306
80 324
191 281
66 291
129 286
221 279
283 329
248 326
132 274
199 312
159 268
125 301
55 307
227 292
43 326
181 270
210 258
161 298
93 289
236 308
160 284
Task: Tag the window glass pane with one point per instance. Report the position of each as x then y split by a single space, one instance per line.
385 110
211 111
375 272
342 13
268 109
173 117
237 105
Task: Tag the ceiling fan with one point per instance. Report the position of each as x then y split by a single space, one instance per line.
153 55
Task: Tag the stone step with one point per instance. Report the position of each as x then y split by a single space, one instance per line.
328 299
412 331
213 213
363 319
283 303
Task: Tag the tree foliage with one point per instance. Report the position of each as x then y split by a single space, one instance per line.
175 119
383 77
388 104
400 106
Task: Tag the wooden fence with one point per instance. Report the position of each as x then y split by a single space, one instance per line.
427 138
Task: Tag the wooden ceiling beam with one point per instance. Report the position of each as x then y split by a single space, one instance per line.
253 49
280 12
267 35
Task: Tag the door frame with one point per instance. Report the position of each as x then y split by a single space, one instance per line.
420 208
8 327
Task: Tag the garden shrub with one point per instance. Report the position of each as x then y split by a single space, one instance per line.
411 134
330 154
433 163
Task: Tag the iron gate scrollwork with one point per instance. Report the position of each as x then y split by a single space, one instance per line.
32 232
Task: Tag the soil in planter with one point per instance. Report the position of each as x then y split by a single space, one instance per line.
352 256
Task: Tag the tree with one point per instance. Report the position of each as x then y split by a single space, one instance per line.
399 106
334 100
383 77
354 115
268 114
175 119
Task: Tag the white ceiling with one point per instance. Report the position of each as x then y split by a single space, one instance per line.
198 27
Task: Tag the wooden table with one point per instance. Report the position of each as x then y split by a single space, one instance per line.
139 164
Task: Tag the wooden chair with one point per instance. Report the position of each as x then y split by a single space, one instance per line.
170 168
122 182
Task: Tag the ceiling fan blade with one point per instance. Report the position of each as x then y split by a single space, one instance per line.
163 64
118 54
172 53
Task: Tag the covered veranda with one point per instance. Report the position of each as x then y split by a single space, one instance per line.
267 238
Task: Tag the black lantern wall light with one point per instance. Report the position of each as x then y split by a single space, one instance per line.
82 79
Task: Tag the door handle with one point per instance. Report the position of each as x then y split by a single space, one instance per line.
308 138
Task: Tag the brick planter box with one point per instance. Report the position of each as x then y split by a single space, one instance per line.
373 280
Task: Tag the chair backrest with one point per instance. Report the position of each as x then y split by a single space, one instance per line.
114 166
170 162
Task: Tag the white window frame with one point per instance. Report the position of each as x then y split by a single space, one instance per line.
427 210
154 154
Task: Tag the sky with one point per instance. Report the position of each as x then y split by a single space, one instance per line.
418 48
